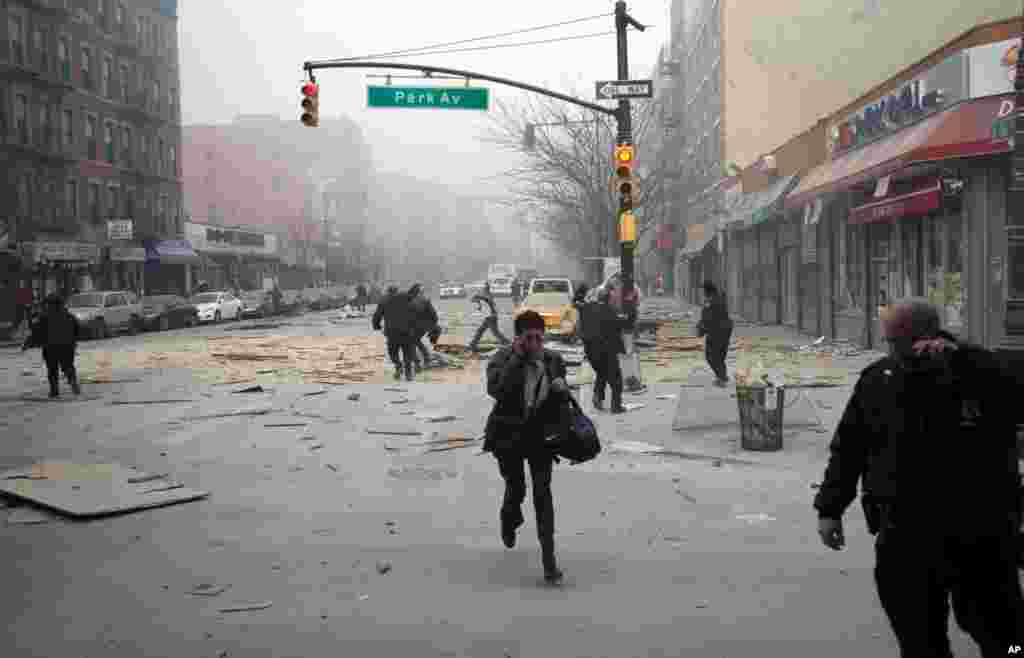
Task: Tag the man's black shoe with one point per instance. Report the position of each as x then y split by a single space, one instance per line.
618 410
398 374
553 576
508 536
598 404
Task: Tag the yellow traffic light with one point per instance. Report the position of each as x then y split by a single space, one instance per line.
627 227
624 155
310 105
625 183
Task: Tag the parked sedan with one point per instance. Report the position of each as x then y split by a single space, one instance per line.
163 312
217 306
102 312
257 304
452 291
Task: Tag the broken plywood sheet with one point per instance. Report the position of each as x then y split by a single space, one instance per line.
92 490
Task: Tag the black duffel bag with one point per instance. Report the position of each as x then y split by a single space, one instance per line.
578 440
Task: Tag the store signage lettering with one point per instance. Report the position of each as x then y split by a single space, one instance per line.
889 114
1002 127
119 229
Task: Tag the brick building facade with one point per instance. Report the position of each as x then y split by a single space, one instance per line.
90 143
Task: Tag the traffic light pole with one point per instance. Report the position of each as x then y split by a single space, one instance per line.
625 120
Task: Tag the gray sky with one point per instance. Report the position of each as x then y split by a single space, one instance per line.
242 56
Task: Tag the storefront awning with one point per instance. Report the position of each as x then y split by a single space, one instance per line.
963 130
171 252
757 207
925 199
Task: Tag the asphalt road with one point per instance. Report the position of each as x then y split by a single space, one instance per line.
369 545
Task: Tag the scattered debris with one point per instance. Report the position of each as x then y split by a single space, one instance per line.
102 380
316 446
392 389
364 597
754 518
234 414
332 467
667 397
168 487
353 397
209 589
28 516
401 401
383 567
148 478
273 425
253 389
437 417
314 393
248 607
717 463
633 406
129 402
702 605
395 432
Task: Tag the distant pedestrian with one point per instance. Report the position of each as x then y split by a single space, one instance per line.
517 291
57 332
528 385
395 313
490 323
424 322
716 327
600 327
361 298
929 434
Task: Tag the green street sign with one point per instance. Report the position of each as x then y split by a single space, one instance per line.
443 98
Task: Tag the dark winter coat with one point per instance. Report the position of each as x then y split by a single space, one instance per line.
600 326
507 431
424 314
395 312
714 316
59 329
936 442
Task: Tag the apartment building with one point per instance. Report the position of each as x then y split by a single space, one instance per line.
90 142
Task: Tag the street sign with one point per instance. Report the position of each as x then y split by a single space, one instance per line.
616 89
445 98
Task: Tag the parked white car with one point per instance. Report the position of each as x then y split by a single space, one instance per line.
217 306
501 286
452 290
103 312
547 284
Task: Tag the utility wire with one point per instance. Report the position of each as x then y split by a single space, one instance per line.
474 39
500 45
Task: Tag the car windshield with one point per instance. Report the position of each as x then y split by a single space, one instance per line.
548 300
85 299
551 286
206 298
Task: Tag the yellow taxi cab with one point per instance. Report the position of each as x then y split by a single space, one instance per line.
557 310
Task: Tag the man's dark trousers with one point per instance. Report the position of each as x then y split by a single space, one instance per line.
489 323
513 470
60 358
401 343
716 349
917 573
607 371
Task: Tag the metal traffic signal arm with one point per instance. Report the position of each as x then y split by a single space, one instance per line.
622 117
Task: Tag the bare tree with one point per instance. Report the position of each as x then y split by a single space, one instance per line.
564 183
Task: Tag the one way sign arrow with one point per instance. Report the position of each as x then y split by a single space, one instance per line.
616 89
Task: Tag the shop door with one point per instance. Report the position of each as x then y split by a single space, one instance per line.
789 287
881 286
913 250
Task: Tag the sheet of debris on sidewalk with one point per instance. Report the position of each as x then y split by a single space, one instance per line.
237 358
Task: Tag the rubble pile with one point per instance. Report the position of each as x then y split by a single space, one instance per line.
839 347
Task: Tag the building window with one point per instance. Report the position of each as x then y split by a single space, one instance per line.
101 11
92 201
119 15
71 198
39 48
143 152
16 33
156 96
64 57
126 146
140 31
90 137
21 118
113 202
67 129
108 72
172 156
87 68
172 94
45 127
851 269
124 83
159 155
108 142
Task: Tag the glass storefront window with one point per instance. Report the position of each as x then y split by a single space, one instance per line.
911 243
850 297
880 245
946 254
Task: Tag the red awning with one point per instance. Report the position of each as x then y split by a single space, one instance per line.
919 202
964 130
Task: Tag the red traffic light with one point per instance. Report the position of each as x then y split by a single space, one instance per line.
310 89
310 104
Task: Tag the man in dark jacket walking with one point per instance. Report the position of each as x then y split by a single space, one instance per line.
600 328
528 385
395 313
490 323
928 433
424 322
361 295
716 327
57 332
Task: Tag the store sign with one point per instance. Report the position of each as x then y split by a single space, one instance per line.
218 240
41 252
908 104
119 229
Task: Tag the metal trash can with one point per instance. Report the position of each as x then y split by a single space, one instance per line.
760 417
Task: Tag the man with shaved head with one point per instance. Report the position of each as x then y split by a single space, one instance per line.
929 435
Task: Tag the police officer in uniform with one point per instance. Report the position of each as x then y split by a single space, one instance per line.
929 435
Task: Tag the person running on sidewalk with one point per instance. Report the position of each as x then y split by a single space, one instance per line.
528 385
57 332
929 435
424 322
396 315
716 327
601 332
490 322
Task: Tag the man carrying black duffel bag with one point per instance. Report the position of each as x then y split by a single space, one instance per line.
530 395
